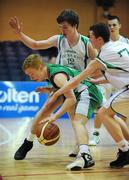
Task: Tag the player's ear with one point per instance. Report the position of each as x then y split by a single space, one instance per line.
100 38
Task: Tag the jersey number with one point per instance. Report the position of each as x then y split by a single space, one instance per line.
123 51
71 61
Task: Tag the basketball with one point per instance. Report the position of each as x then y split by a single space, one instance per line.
47 134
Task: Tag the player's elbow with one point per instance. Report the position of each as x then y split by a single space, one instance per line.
73 101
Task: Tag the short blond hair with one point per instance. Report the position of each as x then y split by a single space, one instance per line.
34 61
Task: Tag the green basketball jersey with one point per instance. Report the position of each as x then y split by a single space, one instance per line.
94 92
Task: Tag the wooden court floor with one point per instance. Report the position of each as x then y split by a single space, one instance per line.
48 163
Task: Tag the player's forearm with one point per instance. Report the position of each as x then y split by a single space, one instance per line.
29 42
66 105
72 84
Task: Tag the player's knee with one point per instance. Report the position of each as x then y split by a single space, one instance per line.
101 114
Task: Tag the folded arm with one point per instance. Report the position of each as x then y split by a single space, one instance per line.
70 99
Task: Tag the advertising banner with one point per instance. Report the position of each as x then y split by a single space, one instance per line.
19 99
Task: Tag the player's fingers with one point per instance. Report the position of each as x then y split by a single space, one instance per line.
46 119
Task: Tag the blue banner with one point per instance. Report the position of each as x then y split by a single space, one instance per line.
19 99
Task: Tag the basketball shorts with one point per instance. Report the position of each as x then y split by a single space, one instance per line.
119 102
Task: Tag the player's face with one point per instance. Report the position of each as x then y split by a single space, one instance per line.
66 29
34 74
94 41
114 26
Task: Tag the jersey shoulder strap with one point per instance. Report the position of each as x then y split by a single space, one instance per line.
84 39
60 37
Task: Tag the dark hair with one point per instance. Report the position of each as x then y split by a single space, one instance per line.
110 17
69 16
101 30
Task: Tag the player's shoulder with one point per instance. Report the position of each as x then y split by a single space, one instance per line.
115 44
121 45
124 39
84 38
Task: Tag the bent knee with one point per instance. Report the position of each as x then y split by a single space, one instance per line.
101 113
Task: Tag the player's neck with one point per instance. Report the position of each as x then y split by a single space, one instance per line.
45 73
115 37
73 40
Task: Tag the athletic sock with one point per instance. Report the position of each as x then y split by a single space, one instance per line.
31 137
83 148
123 145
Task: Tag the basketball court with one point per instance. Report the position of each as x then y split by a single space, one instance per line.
49 162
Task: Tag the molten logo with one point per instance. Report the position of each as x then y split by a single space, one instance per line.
18 97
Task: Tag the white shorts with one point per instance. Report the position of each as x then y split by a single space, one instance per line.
83 103
119 102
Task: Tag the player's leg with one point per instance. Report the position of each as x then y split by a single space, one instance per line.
97 124
28 142
123 124
106 91
118 103
84 158
71 114
96 132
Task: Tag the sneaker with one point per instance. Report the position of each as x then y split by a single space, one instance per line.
84 160
96 139
74 152
121 161
22 151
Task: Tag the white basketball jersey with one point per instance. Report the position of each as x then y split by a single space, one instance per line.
123 39
75 57
115 57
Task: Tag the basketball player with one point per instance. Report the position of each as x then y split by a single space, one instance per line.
114 25
74 49
86 94
113 61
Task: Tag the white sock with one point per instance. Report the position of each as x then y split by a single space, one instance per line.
123 145
83 148
31 137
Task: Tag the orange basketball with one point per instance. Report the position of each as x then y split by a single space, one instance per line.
47 134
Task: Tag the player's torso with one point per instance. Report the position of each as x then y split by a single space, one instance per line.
116 58
54 69
74 57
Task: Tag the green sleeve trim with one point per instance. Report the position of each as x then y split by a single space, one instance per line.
110 66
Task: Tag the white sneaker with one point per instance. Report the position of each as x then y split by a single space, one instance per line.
74 152
83 161
95 140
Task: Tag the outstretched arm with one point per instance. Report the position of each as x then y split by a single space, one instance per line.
31 43
92 67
